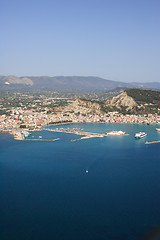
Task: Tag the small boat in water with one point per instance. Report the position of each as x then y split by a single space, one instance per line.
158 129
140 135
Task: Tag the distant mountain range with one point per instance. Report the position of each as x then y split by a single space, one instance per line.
69 83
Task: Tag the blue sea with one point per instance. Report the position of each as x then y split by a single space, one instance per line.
46 193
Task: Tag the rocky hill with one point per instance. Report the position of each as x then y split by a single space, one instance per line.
135 101
120 101
81 107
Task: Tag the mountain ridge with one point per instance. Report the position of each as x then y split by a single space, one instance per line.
69 83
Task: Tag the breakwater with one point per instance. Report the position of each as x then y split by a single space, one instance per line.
44 140
86 135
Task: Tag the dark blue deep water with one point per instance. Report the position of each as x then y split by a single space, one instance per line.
45 193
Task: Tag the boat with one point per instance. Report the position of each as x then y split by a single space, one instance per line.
25 133
140 135
115 133
158 129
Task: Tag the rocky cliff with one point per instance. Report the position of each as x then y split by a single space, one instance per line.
122 100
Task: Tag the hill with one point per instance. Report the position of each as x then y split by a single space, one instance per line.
144 96
135 101
131 101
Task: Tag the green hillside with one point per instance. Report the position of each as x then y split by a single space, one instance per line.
144 96
148 100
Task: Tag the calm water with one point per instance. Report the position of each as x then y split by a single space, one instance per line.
45 192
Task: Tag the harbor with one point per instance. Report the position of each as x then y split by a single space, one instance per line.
24 135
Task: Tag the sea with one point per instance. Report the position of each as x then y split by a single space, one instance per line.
93 189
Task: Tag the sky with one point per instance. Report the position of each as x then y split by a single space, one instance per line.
113 39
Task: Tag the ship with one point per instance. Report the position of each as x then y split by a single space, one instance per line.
25 133
158 129
140 135
115 133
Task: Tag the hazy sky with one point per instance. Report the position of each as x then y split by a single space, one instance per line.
114 39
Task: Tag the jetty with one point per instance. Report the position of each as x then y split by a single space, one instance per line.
152 142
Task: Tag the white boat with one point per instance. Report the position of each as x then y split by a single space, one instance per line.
140 135
25 133
115 133
158 129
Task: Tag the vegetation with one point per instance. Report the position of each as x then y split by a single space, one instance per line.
23 126
144 96
148 101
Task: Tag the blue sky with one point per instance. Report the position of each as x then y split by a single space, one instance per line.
113 39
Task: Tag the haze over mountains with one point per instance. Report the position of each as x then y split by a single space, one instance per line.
69 83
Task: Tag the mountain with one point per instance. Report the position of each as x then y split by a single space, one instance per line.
69 83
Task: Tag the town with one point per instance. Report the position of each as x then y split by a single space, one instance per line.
26 111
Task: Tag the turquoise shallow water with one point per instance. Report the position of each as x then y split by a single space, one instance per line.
45 192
